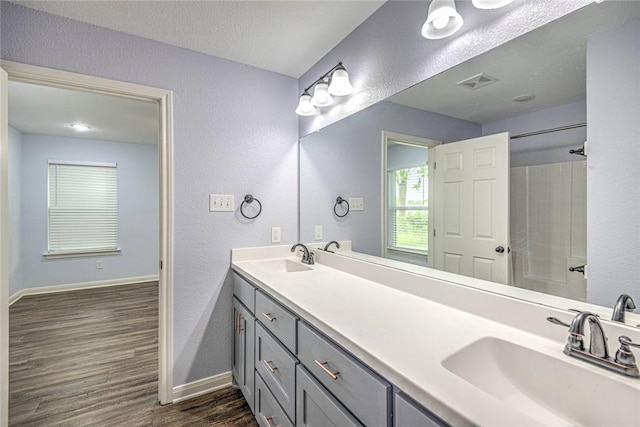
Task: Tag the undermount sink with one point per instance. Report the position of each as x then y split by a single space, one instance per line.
547 389
282 266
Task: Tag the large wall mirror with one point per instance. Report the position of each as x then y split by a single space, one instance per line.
521 114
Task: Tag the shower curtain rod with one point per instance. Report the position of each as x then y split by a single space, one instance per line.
540 132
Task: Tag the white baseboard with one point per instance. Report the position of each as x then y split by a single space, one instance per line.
205 385
77 286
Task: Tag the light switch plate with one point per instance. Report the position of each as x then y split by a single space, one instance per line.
356 203
276 234
221 203
318 232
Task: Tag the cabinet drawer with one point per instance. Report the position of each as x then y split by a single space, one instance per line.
409 414
245 292
268 412
362 392
278 320
316 406
277 368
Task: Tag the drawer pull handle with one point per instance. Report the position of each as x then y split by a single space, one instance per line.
268 420
333 375
271 368
235 322
269 317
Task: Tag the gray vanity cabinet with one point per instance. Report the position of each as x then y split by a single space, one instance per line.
410 414
268 411
244 322
316 407
359 389
293 375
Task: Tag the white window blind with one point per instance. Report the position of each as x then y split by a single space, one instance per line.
408 227
83 207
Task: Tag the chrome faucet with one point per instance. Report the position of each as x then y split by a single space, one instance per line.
598 342
624 303
307 256
333 242
624 361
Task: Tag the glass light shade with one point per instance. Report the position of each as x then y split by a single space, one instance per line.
340 85
442 21
321 96
490 4
305 107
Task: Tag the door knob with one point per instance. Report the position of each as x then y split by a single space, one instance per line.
500 249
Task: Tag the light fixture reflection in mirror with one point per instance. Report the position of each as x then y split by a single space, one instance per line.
531 64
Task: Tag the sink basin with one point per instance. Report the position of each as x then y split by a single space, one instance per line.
282 266
544 388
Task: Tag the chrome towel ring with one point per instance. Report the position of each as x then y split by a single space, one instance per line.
248 199
339 202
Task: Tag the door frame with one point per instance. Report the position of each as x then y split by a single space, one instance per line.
428 143
62 79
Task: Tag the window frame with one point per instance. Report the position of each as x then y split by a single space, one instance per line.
79 252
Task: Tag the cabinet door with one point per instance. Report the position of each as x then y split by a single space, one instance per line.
243 351
316 407
409 414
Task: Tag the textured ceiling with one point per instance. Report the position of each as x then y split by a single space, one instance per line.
549 62
287 37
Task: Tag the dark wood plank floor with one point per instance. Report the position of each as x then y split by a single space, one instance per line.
90 358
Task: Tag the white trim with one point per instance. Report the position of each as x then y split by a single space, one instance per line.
37 290
49 77
76 254
4 252
406 140
200 387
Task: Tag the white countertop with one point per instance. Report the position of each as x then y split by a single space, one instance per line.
399 326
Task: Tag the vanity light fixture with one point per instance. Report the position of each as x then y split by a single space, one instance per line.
80 127
334 82
442 21
490 4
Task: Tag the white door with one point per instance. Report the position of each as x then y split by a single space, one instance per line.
4 251
471 212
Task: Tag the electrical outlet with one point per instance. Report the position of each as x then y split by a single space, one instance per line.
275 234
318 230
356 203
221 203
99 264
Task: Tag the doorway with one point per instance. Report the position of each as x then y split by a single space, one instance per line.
163 99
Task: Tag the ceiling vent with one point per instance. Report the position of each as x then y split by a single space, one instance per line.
477 81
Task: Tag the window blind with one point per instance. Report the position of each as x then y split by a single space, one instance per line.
83 207
408 209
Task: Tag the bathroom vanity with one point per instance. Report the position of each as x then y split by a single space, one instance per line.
347 342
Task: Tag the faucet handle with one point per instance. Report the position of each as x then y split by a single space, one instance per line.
624 355
310 257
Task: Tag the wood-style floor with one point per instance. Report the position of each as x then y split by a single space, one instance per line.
90 358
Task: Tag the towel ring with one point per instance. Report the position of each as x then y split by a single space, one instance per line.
340 201
248 199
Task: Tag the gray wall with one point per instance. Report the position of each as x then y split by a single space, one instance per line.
387 54
547 148
138 207
15 218
226 140
345 159
613 175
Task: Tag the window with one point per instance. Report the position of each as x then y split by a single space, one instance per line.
408 209
82 208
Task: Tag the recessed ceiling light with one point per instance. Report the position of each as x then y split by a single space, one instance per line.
80 127
524 97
